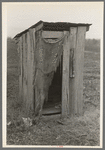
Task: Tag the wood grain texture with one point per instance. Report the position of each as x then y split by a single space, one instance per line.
79 65
29 75
21 69
34 65
72 85
72 93
77 41
52 34
65 78
32 69
25 70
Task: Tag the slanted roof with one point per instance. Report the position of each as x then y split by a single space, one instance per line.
55 26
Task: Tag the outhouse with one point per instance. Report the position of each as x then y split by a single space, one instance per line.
51 67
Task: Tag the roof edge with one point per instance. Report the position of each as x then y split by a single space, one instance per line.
54 26
33 26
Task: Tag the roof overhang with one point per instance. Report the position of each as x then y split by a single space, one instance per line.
54 26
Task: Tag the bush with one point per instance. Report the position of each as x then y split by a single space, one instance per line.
12 54
92 45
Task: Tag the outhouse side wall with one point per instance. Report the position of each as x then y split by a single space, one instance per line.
26 48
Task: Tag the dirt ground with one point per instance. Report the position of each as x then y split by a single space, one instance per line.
52 130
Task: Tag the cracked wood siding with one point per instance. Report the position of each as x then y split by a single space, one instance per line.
24 69
32 44
29 103
27 70
76 84
34 65
79 57
72 87
72 90
20 69
65 74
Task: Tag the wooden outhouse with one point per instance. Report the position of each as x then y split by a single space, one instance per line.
51 64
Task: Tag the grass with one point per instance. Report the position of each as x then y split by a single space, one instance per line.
83 130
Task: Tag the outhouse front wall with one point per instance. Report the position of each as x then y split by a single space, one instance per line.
73 60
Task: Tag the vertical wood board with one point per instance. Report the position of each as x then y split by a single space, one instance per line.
38 76
29 75
72 87
32 44
65 78
21 69
79 64
34 65
25 70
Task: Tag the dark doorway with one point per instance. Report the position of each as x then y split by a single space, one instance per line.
53 105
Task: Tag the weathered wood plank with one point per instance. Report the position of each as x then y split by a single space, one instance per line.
74 44
65 78
30 71
32 56
34 65
23 72
25 67
21 69
39 80
25 40
77 39
29 75
73 89
79 58
39 27
27 71
52 34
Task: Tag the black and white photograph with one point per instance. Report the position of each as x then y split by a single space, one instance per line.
52 73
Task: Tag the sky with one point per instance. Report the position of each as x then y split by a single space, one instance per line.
20 16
